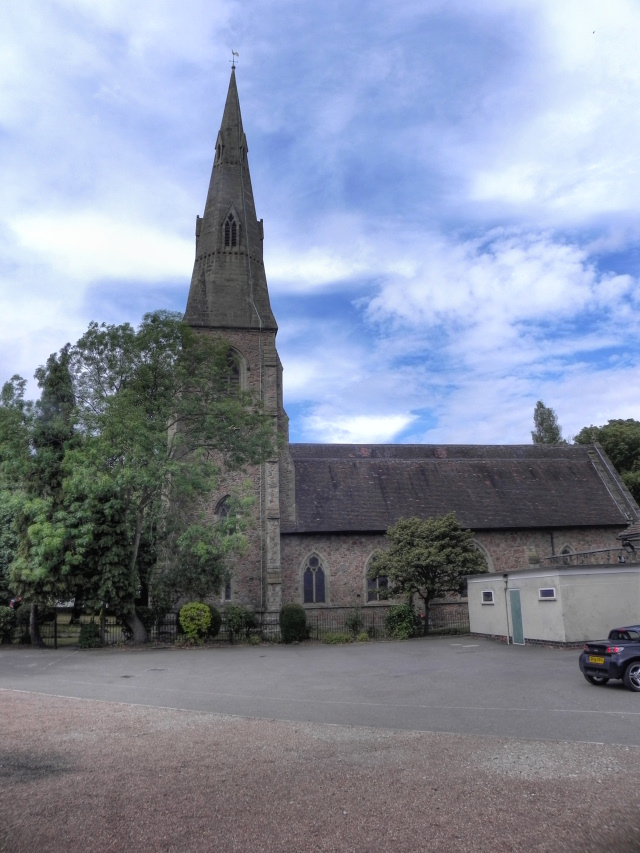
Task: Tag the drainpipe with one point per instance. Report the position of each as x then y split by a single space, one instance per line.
506 606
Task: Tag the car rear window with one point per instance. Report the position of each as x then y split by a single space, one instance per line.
624 634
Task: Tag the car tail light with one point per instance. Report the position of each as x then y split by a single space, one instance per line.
613 650
585 647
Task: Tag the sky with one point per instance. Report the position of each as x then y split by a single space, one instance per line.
450 192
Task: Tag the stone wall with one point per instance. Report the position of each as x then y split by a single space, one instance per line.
345 556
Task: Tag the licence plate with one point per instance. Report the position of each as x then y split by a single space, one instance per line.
594 659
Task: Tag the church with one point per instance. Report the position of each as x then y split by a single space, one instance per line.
321 510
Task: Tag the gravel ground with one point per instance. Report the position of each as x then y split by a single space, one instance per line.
80 775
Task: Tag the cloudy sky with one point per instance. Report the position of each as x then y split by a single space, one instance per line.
450 191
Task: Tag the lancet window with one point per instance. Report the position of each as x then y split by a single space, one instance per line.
231 229
313 581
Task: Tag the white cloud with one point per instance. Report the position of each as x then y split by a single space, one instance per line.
374 429
89 246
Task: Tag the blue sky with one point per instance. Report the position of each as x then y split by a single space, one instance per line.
450 191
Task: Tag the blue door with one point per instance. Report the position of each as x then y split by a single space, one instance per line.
517 631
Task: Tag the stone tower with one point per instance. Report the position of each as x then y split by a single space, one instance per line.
229 297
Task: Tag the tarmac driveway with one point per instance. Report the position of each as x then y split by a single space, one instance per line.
438 746
457 685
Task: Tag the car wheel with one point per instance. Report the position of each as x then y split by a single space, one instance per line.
632 676
596 679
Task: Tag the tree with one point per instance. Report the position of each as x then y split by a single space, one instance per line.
428 558
620 440
160 416
547 429
33 443
116 464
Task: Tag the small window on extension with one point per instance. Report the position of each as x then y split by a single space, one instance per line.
547 593
487 596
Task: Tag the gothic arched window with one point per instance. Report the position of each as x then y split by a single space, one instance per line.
375 586
234 367
223 508
231 231
313 581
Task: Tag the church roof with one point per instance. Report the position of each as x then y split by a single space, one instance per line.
354 488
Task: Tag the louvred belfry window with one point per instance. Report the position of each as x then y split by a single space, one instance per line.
230 231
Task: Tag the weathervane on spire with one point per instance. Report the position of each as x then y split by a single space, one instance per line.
233 59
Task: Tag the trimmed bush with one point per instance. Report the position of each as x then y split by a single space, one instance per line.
293 623
216 621
89 636
400 621
195 619
239 621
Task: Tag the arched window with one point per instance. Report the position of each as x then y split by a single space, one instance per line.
221 512
234 365
313 581
375 586
231 229
223 508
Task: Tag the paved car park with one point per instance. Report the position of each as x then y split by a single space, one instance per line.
458 685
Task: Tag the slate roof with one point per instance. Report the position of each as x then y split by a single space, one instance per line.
353 488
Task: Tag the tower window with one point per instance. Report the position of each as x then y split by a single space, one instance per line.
230 231
314 581
233 366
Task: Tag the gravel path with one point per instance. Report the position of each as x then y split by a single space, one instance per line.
80 775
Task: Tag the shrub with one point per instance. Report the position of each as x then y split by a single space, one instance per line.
89 636
7 623
335 639
239 620
293 623
354 623
216 621
362 637
400 621
195 619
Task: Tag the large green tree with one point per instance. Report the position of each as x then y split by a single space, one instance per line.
547 429
620 439
160 416
428 558
114 467
34 440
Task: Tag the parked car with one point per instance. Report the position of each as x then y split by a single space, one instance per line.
616 657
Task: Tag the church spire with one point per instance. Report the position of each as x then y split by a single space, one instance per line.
229 286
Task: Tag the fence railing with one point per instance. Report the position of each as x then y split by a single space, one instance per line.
600 556
445 617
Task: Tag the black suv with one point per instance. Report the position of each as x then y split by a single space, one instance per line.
617 657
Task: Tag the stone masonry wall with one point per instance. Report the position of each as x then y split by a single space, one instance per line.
345 556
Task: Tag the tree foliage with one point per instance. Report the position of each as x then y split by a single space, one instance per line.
547 429
112 469
620 440
427 558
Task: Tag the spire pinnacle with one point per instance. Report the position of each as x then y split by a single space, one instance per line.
229 285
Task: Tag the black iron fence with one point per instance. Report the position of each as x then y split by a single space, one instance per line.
322 624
